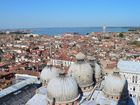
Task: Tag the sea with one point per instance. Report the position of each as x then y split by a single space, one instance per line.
80 30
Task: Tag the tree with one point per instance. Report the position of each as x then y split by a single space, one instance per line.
31 36
121 35
87 33
1 52
137 43
76 33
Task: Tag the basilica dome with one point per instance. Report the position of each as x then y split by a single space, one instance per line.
91 58
96 67
63 89
91 61
115 86
98 71
82 72
48 73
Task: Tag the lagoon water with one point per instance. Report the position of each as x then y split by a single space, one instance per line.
80 30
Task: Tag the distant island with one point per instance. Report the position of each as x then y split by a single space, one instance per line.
134 29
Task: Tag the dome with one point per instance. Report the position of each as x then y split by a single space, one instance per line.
48 73
115 85
95 66
91 61
83 74
49 63
80 56
98 71
91 58
63 88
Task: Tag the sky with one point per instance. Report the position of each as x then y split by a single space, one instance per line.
68 13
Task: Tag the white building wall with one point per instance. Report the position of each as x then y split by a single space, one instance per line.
133 83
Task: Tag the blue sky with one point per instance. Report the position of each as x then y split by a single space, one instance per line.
68 13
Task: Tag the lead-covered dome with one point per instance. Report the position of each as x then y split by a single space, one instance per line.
63 89
82 72
115 86
98 72
48 73
91 61
96 67
91 58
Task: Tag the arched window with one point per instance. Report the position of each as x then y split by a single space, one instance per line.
84 88
133 79
136 79
124 75
134 88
